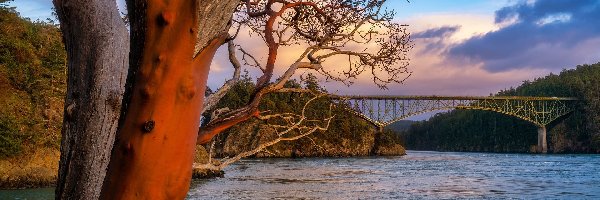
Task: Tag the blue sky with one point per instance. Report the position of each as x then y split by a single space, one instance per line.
41 9
466 47
407 9
34 9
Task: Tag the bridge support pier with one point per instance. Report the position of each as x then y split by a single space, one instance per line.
542 146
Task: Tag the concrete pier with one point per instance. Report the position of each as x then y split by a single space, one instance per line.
542 146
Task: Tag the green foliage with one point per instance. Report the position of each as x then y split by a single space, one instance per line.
346 130
241 93
9 141
388 137
471 130
33 82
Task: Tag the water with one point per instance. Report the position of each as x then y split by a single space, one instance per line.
28 194
419 175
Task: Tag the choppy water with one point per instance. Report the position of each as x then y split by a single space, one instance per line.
419 175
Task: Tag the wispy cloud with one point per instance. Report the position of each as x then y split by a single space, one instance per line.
434 39
438 32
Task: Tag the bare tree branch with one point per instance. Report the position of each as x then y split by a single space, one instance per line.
292 123
213 99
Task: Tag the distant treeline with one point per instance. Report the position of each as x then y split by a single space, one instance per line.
473 130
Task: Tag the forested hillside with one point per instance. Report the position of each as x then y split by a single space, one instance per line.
32 89
473 130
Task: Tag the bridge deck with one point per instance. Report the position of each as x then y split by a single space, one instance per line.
382 110
434 97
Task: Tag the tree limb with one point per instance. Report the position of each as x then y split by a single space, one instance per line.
213 99
295 125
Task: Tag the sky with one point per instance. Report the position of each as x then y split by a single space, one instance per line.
461 47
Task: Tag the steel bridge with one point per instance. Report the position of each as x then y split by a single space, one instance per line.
382 111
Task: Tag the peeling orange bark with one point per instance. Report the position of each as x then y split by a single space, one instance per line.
206 134
153 155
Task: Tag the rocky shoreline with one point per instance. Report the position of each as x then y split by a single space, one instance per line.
38 169
349 137
354 139
378 145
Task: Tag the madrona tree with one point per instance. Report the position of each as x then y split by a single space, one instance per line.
338 39
152 79
135 96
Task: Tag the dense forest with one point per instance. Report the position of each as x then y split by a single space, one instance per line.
33 85
473 130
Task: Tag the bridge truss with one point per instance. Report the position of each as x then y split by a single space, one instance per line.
385 110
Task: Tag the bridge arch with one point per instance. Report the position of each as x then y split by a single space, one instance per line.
382 111
456 108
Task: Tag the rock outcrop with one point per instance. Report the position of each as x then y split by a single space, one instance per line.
360 139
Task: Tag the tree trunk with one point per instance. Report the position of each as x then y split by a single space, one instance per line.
163 76
153 155
95 38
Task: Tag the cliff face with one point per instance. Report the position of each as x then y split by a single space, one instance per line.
358 140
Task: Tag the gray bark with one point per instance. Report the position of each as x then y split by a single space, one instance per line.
211 101
97 43
213 18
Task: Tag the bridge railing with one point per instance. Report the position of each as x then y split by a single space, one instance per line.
434 97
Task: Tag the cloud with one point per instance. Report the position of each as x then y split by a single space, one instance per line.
435 39
439 32
469 24
550 34
435 33
434 73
